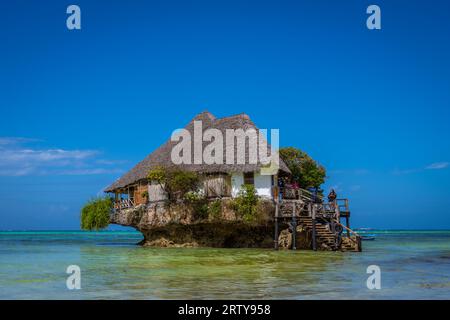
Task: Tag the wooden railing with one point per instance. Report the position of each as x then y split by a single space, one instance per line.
300 194
343 205
327 209
357 238
123 204
309 196
297 203
324 209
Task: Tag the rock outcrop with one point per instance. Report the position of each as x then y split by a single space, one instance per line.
303 238
177 225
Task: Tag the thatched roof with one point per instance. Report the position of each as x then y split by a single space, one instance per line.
162 155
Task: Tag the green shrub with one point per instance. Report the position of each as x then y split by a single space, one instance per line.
175 182
184 181
157 174
192 196
215 210
198 203
305 170
95 213
245 204
201 210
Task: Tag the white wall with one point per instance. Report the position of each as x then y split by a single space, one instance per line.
237 180
263 185
155 192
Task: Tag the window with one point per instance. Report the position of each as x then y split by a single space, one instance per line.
249 178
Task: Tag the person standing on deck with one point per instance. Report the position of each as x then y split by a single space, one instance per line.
332 201
332 196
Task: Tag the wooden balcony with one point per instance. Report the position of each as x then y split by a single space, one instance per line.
123 204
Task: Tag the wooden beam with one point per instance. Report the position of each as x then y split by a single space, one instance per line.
275 240
314 227
347 223
294 227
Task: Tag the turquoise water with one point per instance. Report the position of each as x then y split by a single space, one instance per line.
414 265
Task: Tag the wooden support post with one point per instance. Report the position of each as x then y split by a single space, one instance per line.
294 227
275 240
347 224
314 227
333 230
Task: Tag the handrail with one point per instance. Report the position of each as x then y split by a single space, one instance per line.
342 205
124 203
310 194
356 241
300 193
348 229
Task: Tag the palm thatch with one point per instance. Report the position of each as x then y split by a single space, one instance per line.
162 155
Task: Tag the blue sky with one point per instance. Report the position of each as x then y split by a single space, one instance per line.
79 108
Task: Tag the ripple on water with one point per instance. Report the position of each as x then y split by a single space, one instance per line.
414 266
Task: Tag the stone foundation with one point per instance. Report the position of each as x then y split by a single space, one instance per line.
176 225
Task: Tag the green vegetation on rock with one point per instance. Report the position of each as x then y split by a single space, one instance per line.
215 210
175 182
198 202
246 203
95 213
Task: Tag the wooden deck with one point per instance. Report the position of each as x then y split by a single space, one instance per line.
300 207
321 218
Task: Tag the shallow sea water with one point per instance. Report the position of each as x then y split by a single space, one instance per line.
414 265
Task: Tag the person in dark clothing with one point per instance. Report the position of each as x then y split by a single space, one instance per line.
332 196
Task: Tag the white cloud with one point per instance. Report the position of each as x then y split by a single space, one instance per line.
14 140
433 166
437 165
16 160
43 156
405 171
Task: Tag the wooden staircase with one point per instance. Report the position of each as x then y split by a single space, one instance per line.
327 239
323 234
300 207
350 244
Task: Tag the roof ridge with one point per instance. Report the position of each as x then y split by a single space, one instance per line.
238 115
205 113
